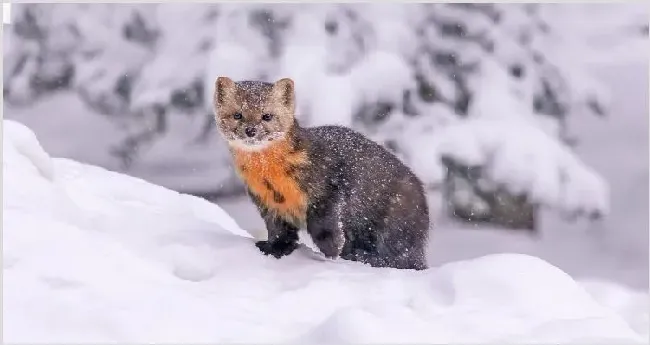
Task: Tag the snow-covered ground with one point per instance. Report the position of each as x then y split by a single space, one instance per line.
91 255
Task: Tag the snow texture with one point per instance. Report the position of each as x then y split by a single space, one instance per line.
91 255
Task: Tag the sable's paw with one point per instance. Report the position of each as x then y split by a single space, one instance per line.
277 249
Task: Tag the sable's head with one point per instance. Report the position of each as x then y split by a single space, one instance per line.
253 114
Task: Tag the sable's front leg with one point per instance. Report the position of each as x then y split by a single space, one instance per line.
282 238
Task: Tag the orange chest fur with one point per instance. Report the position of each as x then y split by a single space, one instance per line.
271 175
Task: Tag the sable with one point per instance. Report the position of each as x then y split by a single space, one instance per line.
357 200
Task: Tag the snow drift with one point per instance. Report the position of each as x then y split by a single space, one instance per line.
95 256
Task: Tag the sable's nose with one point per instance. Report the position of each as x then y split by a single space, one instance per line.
250 131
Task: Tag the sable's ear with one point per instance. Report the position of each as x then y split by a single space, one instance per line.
224 89
283 90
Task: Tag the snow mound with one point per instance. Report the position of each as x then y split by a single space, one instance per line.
95 256
631 305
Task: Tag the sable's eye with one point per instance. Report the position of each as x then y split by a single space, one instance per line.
267 117
237 116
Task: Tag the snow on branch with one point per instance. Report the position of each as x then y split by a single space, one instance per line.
525 160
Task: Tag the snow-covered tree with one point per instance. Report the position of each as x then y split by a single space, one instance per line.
474 97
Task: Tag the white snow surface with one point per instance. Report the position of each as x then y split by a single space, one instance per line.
91 255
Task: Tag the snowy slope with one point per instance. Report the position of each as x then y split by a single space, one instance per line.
175 163
91 256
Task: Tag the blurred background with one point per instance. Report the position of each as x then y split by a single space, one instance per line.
528 123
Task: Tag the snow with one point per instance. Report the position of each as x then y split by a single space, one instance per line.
381 76
632 305
166 162
606 25
91 255
545 170
6 13
305 65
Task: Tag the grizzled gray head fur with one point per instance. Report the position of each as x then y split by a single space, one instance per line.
253 114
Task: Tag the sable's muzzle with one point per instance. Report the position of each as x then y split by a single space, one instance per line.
250 131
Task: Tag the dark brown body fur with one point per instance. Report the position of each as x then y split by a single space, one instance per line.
355 199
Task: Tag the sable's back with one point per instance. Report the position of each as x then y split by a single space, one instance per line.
361 153
375 175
